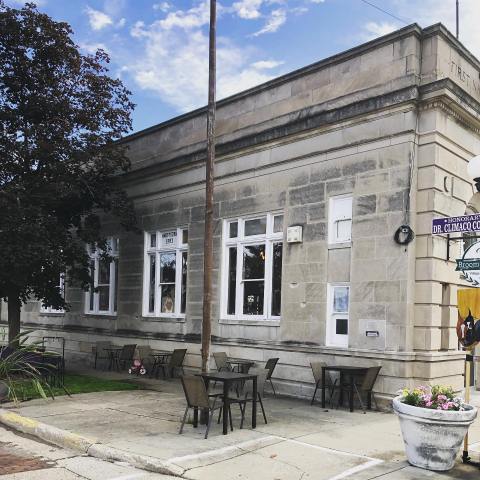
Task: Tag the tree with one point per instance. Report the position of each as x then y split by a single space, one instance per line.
61 117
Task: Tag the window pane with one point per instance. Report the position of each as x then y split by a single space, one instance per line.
104 298
151 285
253 298
115 293
277 279
103 272
153 240
232 280
169 239
341 327
257 226
114 245
184 237
167 267
253 262
278 223
233 230
344 230
183 303
340 299
168 298
91 294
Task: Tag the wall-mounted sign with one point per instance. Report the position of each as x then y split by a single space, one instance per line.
294 234
469 264
372 333
468 326
465 223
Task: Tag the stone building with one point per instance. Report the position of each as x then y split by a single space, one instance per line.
350 148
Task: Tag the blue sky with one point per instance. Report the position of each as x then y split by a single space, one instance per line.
160 47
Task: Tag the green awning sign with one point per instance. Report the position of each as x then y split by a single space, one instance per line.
467 264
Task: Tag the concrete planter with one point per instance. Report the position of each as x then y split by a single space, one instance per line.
433 437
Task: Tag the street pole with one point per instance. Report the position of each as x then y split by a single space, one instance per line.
209 172
457 15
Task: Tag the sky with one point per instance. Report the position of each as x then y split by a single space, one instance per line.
159 48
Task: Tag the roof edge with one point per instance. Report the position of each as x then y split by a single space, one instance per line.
414 29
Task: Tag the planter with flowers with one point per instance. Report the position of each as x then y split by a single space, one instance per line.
434 423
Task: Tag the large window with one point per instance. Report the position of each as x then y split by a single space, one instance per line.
340 219
102 297
61 289
252 282
338 302
165 278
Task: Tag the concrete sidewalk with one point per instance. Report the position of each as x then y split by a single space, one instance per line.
300 441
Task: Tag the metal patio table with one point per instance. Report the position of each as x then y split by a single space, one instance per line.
351 373
228 378
242 365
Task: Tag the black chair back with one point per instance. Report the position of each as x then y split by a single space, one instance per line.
270 366
177 357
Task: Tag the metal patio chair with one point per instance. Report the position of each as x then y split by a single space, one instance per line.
270 366
221 362
99 352
261 374
126 356
197 397
173 362
365 387
317 370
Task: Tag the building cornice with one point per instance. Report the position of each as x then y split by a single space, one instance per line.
296 123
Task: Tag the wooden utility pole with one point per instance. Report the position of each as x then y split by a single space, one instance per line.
209 168
457 19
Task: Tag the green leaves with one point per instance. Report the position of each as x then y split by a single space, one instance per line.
61 116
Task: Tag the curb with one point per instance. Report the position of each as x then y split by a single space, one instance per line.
84 445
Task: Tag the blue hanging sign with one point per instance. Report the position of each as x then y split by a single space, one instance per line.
465 223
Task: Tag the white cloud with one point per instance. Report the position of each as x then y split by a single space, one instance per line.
162 6
114 8
175 61
98 19
121 23
192 18
91 48
276 19
248 9
377 29
266 64
317 1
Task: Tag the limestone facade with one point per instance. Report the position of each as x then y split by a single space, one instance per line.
391 123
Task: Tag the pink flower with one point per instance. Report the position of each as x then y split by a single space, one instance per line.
428 404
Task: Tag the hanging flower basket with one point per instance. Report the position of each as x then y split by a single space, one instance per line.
434 423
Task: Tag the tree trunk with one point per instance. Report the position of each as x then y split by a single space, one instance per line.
210 162
14 307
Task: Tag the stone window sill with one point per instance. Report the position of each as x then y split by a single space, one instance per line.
254 323
164 319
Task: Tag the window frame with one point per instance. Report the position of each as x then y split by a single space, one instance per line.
51 310
334 218
240 242
179 249
332 338
95 257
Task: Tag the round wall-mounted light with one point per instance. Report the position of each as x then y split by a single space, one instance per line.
473 170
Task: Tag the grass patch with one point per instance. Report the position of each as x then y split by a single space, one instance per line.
76 384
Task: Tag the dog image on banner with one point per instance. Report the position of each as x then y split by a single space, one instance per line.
468 325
